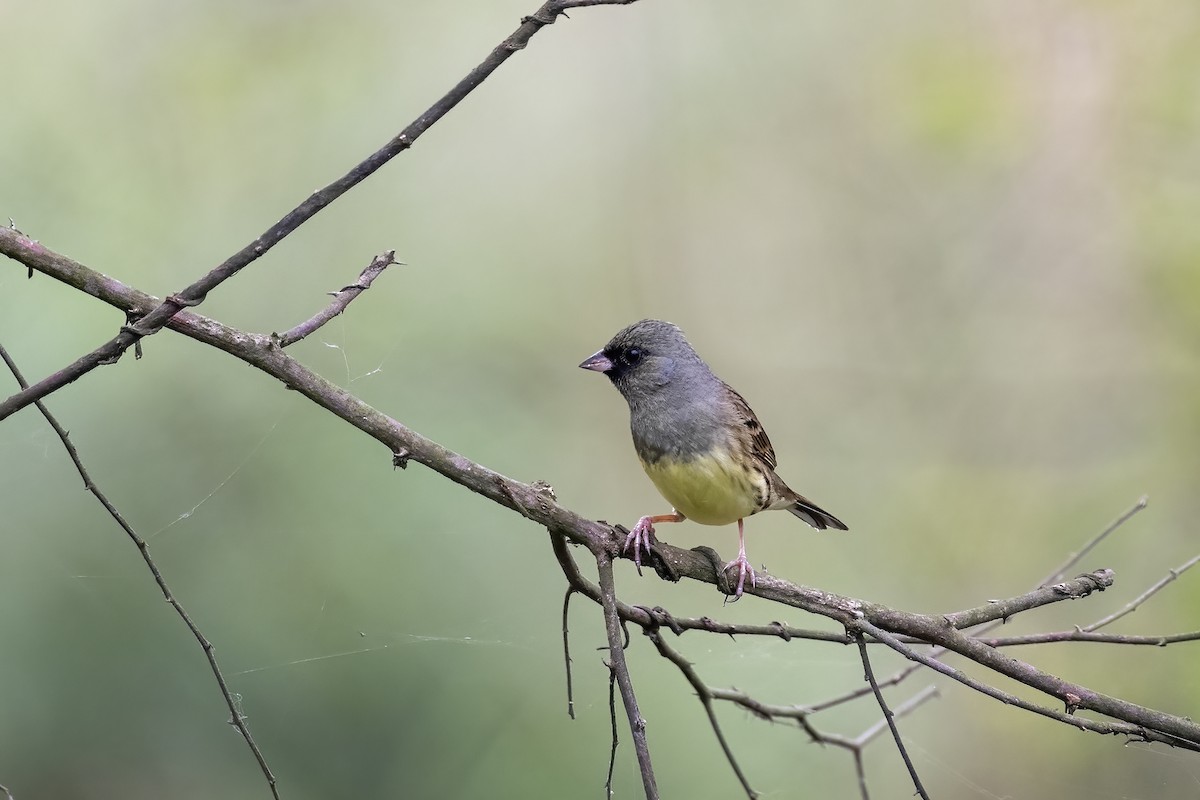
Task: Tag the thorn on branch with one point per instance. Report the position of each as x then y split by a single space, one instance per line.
544 488
659 617
541 16
131 320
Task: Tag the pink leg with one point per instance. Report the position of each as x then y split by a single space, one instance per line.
639 537
742 563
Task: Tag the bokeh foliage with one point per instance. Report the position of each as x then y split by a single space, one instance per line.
948 251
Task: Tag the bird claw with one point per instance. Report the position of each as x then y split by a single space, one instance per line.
639 537
744 569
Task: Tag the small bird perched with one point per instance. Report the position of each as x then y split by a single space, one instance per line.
697 439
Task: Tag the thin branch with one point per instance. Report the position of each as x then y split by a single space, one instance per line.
863 691
900 711
1113 526
801 715
154 320
769 711
1168 727
1055 575
1082 635
615 740
236 718
860 743
706 697
616 655
7 793
1072 559
1082 586
341 298
1144 596
861 772
1134 731
888 717
566 634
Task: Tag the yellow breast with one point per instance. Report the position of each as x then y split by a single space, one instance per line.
711 490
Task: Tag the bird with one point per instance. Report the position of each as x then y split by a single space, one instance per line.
698 440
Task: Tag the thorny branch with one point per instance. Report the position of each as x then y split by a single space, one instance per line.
341 299
1056 574
888 716
1144 596
706 698
620 670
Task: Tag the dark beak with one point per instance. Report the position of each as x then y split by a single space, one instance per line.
597 363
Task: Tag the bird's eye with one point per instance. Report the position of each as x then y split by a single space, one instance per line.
633 355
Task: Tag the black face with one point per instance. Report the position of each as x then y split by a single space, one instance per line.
642 359
624 358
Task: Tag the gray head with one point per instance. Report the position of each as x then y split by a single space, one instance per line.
650 358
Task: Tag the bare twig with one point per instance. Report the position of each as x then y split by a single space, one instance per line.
801 715
615 739
772 712
1081 635
1113 526
860 772
616 655
567 650
1132 605
858 746
902 710
863 691
341 298
155 319
888 717
237 719
7 793
1055 575
1082 586
706 697
1133 731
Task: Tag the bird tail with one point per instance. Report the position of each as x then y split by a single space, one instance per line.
818 517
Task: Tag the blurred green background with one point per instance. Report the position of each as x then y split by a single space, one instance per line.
947 250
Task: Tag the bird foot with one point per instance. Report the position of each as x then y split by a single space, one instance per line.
639 538
743 566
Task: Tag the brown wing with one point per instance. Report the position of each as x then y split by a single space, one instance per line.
777 493
760 444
